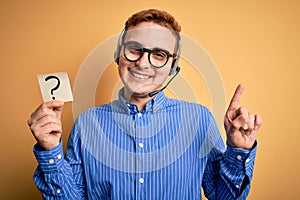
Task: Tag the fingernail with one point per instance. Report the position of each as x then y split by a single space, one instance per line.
245 127
256 128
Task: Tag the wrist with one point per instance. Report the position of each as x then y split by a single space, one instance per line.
47 146
249 147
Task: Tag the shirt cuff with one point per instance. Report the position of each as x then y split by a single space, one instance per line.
238 168
242 159
50 160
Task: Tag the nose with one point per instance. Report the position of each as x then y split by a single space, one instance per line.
143 62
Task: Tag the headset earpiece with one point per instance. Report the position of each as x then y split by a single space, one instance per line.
119 44
116 57
175 68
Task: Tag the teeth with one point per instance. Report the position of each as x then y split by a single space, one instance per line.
140 76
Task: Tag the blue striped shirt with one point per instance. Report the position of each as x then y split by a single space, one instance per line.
169 150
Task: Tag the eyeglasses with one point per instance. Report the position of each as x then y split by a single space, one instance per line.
133 51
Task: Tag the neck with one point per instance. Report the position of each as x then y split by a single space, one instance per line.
139 100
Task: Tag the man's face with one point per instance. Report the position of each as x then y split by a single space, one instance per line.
140 77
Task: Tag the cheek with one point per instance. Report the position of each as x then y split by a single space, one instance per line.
121 69
164 71
162 75
124 65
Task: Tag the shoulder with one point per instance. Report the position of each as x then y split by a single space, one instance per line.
108 107
192 107
95 111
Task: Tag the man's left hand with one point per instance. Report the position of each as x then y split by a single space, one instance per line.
240 125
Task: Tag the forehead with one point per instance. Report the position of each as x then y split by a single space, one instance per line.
151 35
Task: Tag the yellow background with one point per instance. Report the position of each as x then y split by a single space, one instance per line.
253 42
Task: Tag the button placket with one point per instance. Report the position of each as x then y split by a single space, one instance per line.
141 145
51 161
141 180
59 156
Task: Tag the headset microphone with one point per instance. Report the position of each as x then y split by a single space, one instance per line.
151 94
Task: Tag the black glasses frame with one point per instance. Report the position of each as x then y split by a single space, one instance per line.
149 51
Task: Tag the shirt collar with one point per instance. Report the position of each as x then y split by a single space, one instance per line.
156 103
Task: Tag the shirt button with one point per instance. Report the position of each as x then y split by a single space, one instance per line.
58 191
141 180
239 157
59 156
141 145
237 186
139 114
51 161
247 160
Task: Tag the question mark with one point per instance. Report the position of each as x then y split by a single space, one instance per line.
57 85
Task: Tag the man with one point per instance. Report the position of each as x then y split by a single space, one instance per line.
145 145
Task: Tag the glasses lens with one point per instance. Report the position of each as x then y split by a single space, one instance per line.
158 58
132 51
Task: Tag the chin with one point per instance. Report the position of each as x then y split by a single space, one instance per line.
139 92
142 88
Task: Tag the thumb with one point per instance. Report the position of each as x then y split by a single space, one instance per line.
57 107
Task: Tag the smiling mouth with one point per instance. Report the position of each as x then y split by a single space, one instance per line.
140 76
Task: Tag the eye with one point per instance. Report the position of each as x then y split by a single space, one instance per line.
159 54
133 48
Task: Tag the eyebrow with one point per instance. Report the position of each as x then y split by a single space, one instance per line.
156 48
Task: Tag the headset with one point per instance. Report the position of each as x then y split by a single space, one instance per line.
174 67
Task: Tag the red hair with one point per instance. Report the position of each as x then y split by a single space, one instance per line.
152 15
159 17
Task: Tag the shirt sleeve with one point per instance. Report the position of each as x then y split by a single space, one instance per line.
54 176
228 174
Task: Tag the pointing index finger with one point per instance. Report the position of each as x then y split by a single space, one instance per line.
234 103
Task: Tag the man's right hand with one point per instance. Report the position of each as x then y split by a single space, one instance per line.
45 124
